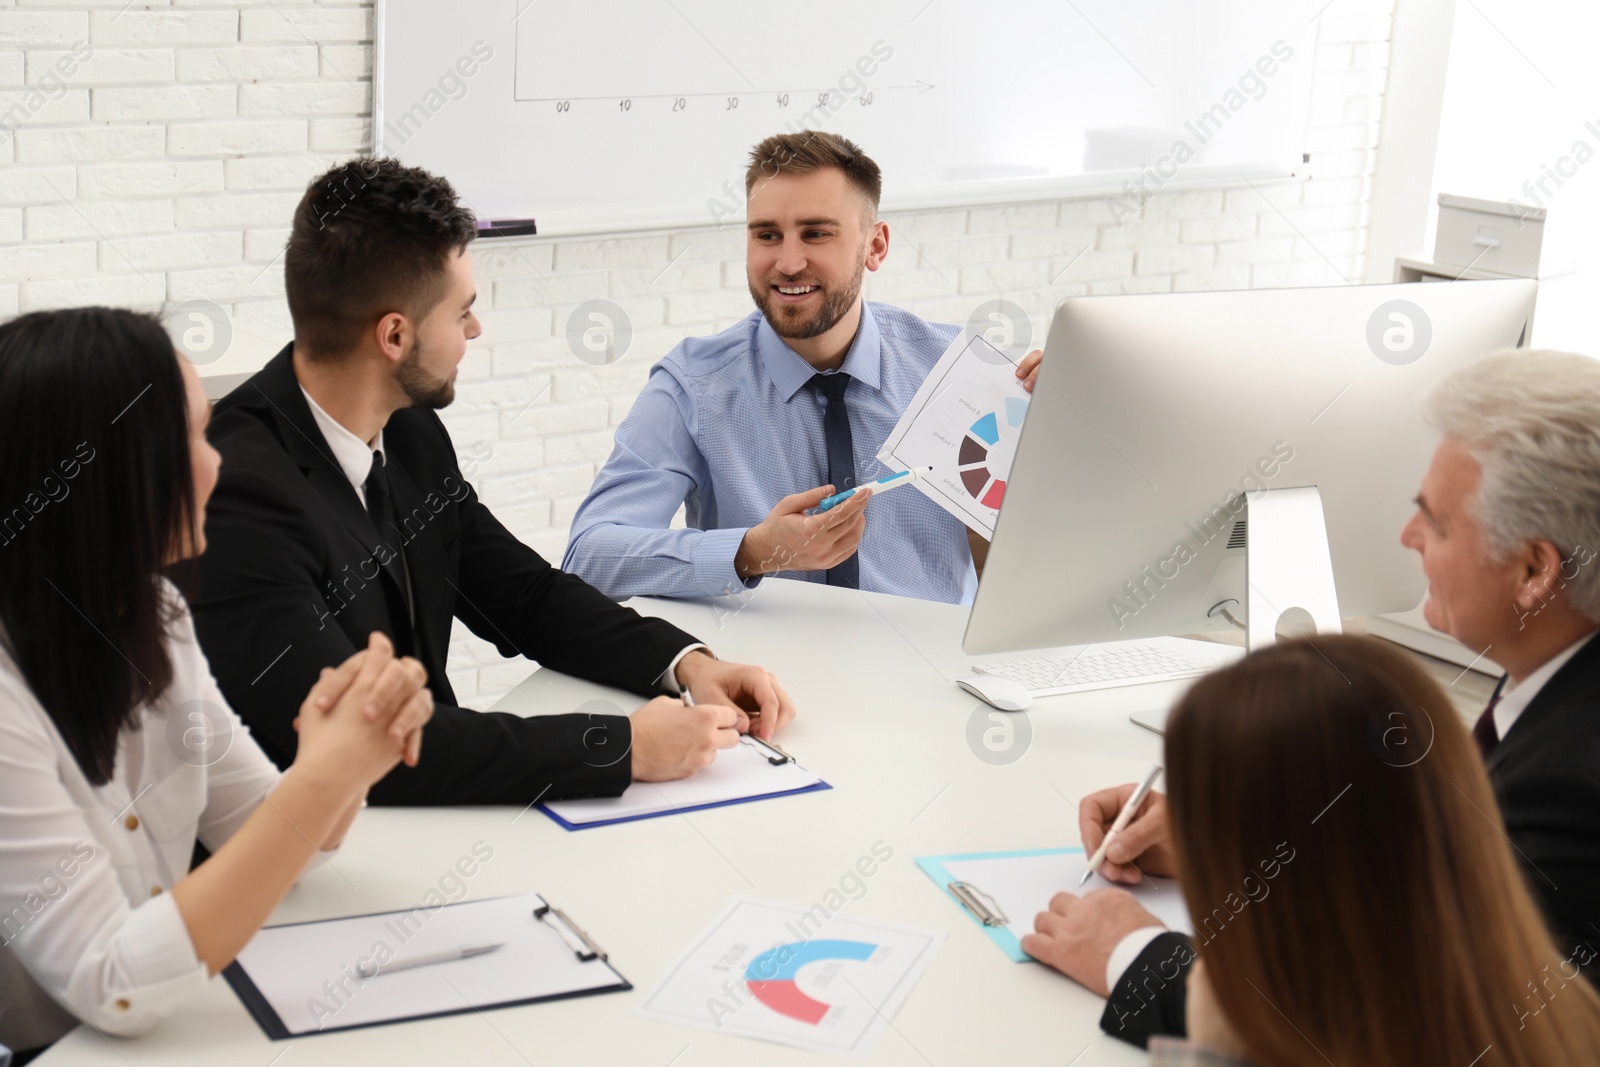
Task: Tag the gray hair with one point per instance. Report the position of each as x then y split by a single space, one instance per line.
1531 418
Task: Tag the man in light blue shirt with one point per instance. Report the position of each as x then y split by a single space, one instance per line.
743 428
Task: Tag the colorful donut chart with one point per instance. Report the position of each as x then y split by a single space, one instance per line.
770 976
974 460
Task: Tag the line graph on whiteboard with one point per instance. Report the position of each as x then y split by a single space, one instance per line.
664 61
598 116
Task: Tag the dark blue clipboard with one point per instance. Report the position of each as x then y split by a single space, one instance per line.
564 824
266 1016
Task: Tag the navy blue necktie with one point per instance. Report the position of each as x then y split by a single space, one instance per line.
841 460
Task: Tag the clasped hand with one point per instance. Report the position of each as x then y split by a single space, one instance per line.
365 716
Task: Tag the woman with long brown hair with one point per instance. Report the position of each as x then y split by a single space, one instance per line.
1353 894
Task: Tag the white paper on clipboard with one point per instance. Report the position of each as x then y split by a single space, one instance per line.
964 423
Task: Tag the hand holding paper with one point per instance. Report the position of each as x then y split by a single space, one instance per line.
1028 369
964 422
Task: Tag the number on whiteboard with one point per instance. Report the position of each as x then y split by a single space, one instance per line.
563 106
733 104
783 99
679 104
624 105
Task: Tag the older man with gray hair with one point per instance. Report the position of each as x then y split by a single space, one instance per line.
1508 528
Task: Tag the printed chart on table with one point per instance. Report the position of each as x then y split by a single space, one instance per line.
796 976
964 423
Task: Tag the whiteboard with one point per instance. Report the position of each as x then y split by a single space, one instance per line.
605 115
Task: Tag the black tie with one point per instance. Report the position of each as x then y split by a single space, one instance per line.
380 506
1484 731
841 460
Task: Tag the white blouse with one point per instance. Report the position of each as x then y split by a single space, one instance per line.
88 929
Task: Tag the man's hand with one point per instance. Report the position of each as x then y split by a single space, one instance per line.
790 540
756 693
1077 935
672 740
1142 846
1028 369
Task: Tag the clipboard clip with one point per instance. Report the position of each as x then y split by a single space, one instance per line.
773 754
582 945
981 904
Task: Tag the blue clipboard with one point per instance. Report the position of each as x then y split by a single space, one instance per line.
564 824
934 867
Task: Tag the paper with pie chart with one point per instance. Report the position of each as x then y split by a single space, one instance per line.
963 422
796 976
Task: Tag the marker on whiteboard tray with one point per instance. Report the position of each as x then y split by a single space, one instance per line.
882 485
506 228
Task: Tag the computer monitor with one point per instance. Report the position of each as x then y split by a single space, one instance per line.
1160 420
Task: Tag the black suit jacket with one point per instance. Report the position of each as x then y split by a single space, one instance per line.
293 580
1546 778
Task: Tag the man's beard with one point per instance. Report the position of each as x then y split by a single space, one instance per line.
796 325
421 390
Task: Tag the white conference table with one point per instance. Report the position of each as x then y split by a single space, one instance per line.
880 719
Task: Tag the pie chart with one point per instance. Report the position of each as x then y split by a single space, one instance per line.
984 459
770 976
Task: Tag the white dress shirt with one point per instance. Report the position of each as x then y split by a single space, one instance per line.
354 457
89 928
1127 951
1514 700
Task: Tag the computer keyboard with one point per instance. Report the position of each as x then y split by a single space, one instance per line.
1090 667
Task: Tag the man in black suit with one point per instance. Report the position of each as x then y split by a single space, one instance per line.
1508 528
341 510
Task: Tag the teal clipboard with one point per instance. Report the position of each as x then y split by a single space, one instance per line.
934 868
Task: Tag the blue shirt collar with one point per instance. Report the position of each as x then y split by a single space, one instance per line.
789 372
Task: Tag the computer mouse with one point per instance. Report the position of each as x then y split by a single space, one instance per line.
1003 693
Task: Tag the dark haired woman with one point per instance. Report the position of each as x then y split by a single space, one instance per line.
117 751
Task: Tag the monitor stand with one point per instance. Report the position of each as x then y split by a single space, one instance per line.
1288 575
1287 567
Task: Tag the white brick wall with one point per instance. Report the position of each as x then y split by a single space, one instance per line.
167 165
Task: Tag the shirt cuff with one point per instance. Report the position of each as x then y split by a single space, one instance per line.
159 964
1177 1052
714 553
1127 950
669 680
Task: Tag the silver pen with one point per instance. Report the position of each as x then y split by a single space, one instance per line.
369 969
1124 817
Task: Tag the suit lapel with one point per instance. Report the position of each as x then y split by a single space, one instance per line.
1582 670
302 439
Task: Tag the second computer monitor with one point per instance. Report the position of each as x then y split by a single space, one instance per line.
1156 415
